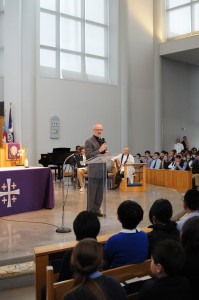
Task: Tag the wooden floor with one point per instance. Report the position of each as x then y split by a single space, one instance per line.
21 233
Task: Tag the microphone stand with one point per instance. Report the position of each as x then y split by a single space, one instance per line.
63 229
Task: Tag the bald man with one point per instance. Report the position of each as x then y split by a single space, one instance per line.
123 158
96 172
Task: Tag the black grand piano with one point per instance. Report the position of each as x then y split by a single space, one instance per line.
56 159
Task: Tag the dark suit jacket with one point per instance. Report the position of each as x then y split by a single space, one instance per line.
92 149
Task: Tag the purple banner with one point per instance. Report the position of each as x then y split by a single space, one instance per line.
25 190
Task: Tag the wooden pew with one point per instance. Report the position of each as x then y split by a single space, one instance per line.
178 180
137 186
56 290
45 254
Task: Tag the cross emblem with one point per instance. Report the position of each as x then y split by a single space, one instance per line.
9 193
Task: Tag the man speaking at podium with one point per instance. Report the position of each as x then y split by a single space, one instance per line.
96 172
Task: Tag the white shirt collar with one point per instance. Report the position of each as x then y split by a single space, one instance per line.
131 230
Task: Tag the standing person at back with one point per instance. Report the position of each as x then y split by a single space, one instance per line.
130 245
185 142
96 172
178 146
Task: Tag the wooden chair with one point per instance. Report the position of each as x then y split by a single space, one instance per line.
56 290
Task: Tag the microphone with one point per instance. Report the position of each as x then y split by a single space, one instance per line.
103 140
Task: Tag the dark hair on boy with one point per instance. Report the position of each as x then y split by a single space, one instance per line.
162 210
158 153
164 152
147 151
191 199
85 225
190 236
130 214
174 151
170 255
138 154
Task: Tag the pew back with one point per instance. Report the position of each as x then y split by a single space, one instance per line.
44 255
56 290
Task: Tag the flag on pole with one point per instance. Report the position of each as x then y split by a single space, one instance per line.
10 127
5 134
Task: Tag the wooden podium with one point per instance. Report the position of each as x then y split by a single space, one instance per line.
139 186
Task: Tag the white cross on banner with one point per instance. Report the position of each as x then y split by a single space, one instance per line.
9 192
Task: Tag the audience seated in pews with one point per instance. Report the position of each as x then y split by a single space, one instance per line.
189 159
162 154
195 171
138 158
178 164
148 160
89 283
190 243
193 151
165 161
85 225
191 205
167 261
130 245
156 162
163 228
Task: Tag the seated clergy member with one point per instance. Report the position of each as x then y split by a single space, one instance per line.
167 262
156 163
195 171
120 161
81 168
148 158
191 205
130 245
178 164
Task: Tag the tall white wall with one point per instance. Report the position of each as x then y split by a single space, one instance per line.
1 89
180 89
141 108
78 105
